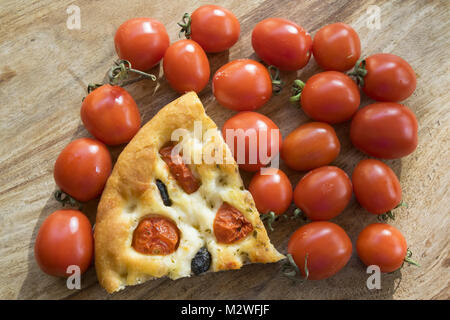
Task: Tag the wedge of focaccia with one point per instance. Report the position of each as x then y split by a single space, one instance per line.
162 215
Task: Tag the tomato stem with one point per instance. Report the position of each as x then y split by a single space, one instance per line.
297 214
386 216
64 199
291 270
401 204
130 81
120 72
92 86
185 25
390 214
297 88
359 72
277 83
270 217
409 260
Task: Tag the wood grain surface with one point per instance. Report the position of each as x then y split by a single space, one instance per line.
44 71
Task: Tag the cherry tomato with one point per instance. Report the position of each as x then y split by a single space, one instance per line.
82 168
249 135
110 114
214 28
182 173
156 236
323 193
330 97
64 239
382 245
141 41
186 66
310 146
384 130
230 225
271 191
282 43
376 186
242 85
336 47
388 78
327 246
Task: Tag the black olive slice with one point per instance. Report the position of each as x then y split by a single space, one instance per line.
164 194
201 261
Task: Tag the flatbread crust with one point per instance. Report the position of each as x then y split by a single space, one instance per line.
131 194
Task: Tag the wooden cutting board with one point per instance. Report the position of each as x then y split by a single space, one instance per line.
44 71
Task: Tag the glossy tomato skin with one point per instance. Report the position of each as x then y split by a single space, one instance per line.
282 43
230 225
214 28
141 41
156 235
336 47
389 78
328 247
330 97
242 85
310 146
271 191
247 151
383 245
111 115
376 186
385 130
186 66
64 239
323 193
82 168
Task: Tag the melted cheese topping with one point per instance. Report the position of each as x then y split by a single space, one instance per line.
193 213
